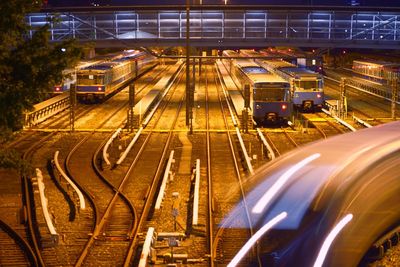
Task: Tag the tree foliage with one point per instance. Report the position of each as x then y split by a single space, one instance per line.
29 67
29 64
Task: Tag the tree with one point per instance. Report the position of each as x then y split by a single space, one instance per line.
29 66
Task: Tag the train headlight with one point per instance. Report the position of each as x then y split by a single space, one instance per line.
258 106
58 89
99 88
284 106
318 95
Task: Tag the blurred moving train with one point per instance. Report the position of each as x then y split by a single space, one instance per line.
98 81
307 91
378 71
325 204
269 94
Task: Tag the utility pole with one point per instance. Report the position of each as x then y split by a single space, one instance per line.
395 91
342 99
130 117
72 104
245 112
188 89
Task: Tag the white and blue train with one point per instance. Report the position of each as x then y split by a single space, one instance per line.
269 94
307 91
96 82
307 85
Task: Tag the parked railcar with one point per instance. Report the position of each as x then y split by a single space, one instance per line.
69 75
327 204
299 58
378 71
307 86
269 94
96 82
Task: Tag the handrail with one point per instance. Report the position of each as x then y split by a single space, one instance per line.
164 181
146 247
196 194
366 124
43 201
105 154
339 120
264 141
63 174
246 156
136 137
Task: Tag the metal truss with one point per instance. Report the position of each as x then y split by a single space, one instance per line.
221 28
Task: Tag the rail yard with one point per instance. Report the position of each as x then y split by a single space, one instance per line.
160 193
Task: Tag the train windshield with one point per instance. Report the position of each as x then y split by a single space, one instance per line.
270 92
308 85
88 79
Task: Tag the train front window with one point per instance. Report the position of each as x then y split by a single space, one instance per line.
269 94
307 85
90 79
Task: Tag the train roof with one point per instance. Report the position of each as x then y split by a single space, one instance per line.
266 78
250 53
246 63
124 57
277 63
376 63
303 72
230 53
101 66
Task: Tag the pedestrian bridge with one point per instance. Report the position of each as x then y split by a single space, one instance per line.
226 26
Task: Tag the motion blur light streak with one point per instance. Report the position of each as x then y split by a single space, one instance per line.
329 239
266 198
255 237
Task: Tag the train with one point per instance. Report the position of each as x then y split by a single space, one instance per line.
307 93
69 75
68 80
307 86
269 94
378 71
330 203
96 82
303 59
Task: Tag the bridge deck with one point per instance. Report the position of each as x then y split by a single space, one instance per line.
222 26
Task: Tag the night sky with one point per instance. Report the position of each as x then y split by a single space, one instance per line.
383 3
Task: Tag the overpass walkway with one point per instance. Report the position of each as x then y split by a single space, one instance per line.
226 26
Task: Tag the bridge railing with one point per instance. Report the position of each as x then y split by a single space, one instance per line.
46 109
283 24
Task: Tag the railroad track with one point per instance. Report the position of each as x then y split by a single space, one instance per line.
224 174
280 140
364 105
324 124
64 255
15 251
142 180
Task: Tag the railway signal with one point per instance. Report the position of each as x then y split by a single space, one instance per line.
130 116
395 91
342 99
72 104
